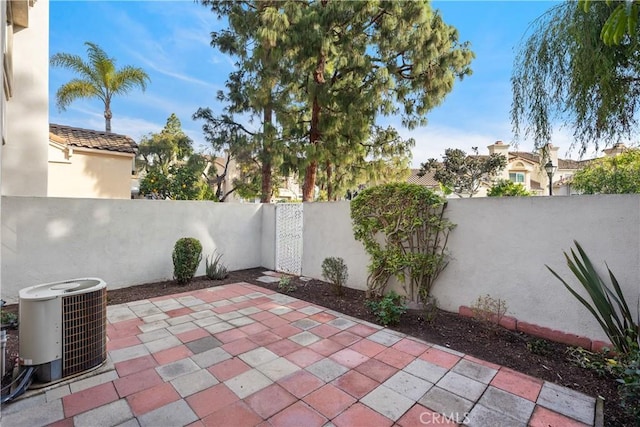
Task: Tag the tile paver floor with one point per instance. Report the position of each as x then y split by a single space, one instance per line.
241 355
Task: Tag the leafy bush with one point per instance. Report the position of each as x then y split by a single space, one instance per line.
403 229
489 310
630 386
187 254
388 309
215 269
609 306
335 271
285 285
10 319
539 347
507 188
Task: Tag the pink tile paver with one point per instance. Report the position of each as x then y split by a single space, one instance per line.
324 330
326 347
301 383
440 358
269 401
368 347
230 335
362 330
135 365
349 358
283 347
211 400
152 398
228 369
517 383
118 343
360 415
355 383
411 347
346 338
543 417
376 370
395 358
297 415
329 400
137 382
89 398
264 338
238 414
239 346
164 357
304 357
192 335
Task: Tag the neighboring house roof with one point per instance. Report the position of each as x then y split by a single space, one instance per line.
427 180
535 158
97 140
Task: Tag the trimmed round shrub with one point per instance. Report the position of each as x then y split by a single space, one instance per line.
187 254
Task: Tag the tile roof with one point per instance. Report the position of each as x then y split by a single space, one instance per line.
427 180
86 138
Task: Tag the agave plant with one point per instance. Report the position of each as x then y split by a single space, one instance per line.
609 307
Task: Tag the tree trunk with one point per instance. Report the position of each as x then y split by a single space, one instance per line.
312 167
265 194
314 134
330 195
107 118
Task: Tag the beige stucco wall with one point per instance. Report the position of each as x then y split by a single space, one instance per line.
25 155
124 242
89 174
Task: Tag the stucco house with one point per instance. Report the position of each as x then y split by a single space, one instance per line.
88 163
523 168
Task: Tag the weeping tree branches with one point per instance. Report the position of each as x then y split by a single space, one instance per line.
565 73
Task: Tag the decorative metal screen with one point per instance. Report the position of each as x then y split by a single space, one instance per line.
289 238
84 333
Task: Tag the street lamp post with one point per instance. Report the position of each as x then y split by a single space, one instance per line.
550 168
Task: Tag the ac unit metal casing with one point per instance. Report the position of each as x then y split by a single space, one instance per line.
63 327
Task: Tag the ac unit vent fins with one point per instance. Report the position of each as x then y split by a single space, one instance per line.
84 331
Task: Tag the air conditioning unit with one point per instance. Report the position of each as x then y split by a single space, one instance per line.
63 327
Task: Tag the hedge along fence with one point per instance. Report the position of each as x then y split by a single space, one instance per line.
403 229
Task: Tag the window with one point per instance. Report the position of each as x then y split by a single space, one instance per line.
517 177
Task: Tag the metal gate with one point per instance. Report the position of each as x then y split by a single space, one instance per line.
289 238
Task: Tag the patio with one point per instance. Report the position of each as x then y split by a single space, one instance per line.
243 355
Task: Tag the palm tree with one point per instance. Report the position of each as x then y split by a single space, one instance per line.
98 79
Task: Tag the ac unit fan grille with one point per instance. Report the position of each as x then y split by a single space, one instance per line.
84 331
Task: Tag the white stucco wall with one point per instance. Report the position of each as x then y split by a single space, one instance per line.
328 233
25 155
500 247
124 242
268 259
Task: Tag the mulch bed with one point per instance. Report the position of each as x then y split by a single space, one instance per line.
459 333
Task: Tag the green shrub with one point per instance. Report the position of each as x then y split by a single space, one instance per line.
335 271
507 188
608 306
215 269
629 380
404 231
285 285
187 254
388 309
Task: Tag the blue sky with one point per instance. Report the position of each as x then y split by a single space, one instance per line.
170 40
